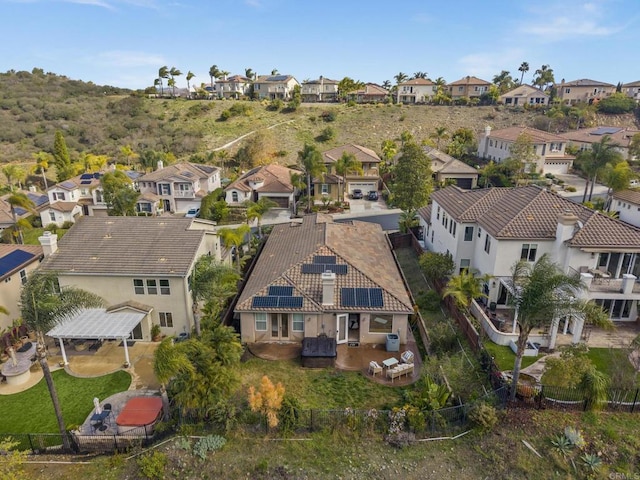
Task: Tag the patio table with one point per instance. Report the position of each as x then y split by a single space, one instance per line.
390 362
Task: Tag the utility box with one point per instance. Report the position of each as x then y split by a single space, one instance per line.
393 342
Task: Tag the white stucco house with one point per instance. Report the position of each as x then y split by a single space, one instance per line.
268 181
416 90
627 204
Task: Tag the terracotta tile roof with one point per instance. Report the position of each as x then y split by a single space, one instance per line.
130 304
524 91
127 246
511 134
362 154
149 197
586 82
33 252
184 171
362 246
276 178
471 80
621 136
631 196
417 81
631 84
235 79
443 163
65 206
372 89
532 213
425 213
325 81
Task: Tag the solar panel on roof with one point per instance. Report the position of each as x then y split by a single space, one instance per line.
362 297
312 268
265 302
375 296
324 259
86 176
68 184
337 269
278 78
281 290
290 302
605 131
14 260
85 182
324 267
348 297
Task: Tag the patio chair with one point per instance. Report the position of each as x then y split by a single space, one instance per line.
407 356
374 368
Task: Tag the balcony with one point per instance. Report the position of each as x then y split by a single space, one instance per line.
184 193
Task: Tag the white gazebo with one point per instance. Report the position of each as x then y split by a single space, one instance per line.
100 324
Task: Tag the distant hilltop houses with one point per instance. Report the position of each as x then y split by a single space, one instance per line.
417 89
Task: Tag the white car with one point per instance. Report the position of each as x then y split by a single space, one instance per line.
192 213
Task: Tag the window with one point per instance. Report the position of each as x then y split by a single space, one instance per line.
58 195
164 287
23 276
487 243
165 189
465 263
52 216
567 90
452 228
298 322
529 251
138 286
555 147
166 319
261 322
468 234
380 323
325 189
234 197
438 214
152 287
479 232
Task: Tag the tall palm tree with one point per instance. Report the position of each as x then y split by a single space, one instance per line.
43 305
163 72
346 164
274 71
544 76
42 165
214 73
172 83
386 85
234 237
298 183
440 133
400 77
596 158
189 77
256 210
523 68
174 72
14 174
420 74
19 200
248 72
310 160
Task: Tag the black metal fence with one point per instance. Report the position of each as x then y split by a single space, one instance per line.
576 399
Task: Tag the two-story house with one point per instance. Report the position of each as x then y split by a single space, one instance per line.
327 186
489 230
416 90
140 261
235 87
16 264
627 204
269 181
524 95
371 93
469 87
584 90
321 90
176 188
274 86
39 200
549 148
447 169
585 137
632 90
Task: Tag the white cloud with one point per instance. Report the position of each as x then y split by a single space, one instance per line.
128 59
95 3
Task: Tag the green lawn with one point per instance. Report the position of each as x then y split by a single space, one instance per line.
31 235
321 388
505 358
31 411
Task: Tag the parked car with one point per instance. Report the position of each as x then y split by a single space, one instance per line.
192 213
357 194
372 195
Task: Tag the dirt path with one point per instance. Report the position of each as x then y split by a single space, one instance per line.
233 142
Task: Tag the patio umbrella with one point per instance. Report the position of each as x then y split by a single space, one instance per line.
96 402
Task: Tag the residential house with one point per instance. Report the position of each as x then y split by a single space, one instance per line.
371 93
16 264
269 181
144 260
319 277
235 87
321 90
627 204
447 169
489 230
585 137
549 148
416 90
274 86
469 86
632 90
524 95
39 200
77 196
367 181
178 187
584 90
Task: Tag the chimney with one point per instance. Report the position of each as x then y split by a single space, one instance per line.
160 165
49 242
32 188
328 288
567 222
487 131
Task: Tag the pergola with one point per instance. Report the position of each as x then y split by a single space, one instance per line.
99 324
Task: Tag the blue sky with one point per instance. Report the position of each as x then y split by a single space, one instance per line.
124 42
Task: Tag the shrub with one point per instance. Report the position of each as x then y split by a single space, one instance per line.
275 105
208 444
289 414
327 134
483 416
570 188
429 301
329 116
67 225
153 465
225 115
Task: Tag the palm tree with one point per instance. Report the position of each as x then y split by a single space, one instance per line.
234 238
407 220
420 75
523 68
172 83
42 164
595 159
14 174
43 305
400 77
174 72
312 165
386 85
298 183
347 163
440 133
616 178
256 210
464 287
544 76
213 74
19 200
189 77
163 72
440 82
274 71
248 72
595 387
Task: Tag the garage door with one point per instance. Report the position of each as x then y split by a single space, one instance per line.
556 167
464 183
365 187
283 202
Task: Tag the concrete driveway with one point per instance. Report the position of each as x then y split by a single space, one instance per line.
579 183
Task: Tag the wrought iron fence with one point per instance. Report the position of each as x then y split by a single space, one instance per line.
576 399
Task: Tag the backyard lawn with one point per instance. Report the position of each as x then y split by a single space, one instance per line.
505 358
31 235
31 411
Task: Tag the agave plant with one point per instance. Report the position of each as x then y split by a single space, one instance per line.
591 461
562 445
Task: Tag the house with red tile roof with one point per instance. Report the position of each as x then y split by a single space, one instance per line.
371 93
549 148
469 87
319 277
320 90
627 204
632 89
16 264
235 86
585 137
268 181
489 230
416 90
366 181
524 95
584 90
